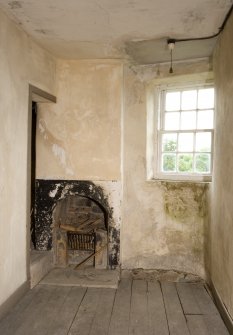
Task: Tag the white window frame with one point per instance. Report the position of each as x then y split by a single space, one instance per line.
154 151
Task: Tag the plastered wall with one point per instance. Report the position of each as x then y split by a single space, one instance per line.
221 247
164 223
95 132
97 128
21 62
80 137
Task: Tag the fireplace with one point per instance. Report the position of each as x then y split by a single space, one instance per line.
80 232
76 219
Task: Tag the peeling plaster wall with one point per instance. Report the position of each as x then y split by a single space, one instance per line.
221 246
21 62
79 137
164 223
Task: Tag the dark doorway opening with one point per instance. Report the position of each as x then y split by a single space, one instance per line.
33 172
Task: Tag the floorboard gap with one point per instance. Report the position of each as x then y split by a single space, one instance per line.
76 312
165 308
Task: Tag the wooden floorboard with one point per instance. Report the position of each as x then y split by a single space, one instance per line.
34 315
188 299
51 309
137 307
139 323
82 323
103 313
156 311
176 319
205 302
119 323
215 324
67 312
13 320
197 325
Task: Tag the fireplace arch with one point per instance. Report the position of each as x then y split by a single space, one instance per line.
50 192
80 230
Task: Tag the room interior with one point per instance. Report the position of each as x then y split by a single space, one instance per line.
92 69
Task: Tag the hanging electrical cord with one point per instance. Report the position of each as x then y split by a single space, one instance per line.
176 40
171 46
171 41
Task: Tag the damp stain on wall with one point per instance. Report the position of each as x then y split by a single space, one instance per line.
15 4
183 200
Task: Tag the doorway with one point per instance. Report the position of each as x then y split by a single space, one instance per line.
37 262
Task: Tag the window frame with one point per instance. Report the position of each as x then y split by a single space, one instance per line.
159 117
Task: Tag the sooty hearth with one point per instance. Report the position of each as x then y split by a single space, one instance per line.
80 232
74 219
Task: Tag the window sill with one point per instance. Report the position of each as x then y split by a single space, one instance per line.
181 178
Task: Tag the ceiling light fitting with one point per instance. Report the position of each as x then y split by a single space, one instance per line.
171 41
171 46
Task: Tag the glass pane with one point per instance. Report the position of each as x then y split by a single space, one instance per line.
202 163
172 121
185 142
203 142
172 101
206 98
205 119
169 163
169 142
185 163
188 120
189 100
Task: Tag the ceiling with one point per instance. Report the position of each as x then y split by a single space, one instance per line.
137 29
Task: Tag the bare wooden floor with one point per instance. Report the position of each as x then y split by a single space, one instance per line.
136 308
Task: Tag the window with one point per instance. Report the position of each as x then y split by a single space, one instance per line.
185 133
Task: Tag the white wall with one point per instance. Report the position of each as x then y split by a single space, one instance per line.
164 223
221 246
21 62
80 137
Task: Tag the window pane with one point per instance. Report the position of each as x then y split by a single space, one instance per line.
172 101
188 120
206 98
169 142
169 163
189 100
202 163
185 163
172 121
205 119
185 142
203 142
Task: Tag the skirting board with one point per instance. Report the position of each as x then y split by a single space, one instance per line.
222 309
13 299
